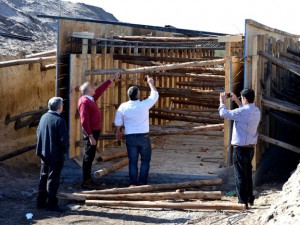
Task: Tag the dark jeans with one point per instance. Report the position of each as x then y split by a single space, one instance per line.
138 144
242 158
49 183
89 155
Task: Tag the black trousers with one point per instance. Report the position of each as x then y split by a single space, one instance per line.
89 155
242 157
49 184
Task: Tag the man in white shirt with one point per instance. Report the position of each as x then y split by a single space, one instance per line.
134 115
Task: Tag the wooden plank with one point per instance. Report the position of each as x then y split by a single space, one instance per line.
279 143
281 105
74 119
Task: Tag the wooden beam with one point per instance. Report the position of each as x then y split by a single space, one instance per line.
9 119
284 64
279 143
157 187
156 68
105 171
17 62
17 152
168 205
157 196
281 105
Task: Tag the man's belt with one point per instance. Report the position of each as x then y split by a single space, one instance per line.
244 146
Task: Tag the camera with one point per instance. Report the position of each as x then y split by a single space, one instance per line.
228 95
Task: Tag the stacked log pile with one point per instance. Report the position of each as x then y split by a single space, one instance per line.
151 196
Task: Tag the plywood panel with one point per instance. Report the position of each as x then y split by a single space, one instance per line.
23 88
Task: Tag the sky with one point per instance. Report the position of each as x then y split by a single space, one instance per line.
222 16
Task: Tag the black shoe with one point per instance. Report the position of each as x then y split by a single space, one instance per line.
56 209
89 184
251 201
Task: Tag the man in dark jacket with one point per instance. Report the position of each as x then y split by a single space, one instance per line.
52 145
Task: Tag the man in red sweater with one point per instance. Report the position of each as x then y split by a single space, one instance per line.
91 120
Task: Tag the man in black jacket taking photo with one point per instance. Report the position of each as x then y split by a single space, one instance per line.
52 145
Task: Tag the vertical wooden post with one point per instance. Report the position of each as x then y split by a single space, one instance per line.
84 59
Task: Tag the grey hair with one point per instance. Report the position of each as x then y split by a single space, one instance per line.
55 103
84 87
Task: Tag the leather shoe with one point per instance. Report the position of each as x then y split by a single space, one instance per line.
89 184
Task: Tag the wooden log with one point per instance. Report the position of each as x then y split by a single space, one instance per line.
41 54
284 64
156 68
112 155
9 119
185 118
187 113
157 196
26 61
141 63
293 51
168 205
182 91
48 67
105 171
157 187
124 58
165 39
202 76
213 70
281 105
201 84
17 152
197 103
279 143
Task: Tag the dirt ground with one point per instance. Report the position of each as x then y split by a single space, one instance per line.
18 188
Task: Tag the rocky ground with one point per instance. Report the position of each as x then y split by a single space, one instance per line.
18 188
20 18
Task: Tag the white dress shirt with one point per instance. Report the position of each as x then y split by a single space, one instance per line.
135 114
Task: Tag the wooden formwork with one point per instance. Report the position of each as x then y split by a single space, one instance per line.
269 78
84 54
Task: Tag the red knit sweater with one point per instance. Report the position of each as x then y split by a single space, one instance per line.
90 115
